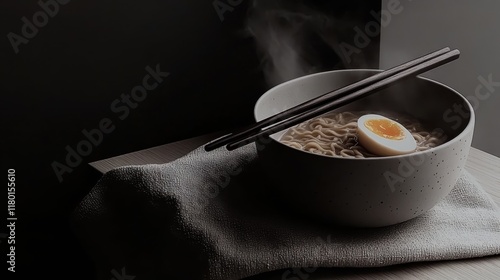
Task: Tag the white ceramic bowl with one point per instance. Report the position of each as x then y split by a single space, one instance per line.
369 192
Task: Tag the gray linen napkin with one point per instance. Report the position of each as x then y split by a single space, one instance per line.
212 216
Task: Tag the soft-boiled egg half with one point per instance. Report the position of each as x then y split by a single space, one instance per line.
384 137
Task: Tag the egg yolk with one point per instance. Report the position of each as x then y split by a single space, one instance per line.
385 128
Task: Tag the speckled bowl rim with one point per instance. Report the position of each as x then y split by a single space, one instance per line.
461 135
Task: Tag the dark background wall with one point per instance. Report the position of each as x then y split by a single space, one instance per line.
65 78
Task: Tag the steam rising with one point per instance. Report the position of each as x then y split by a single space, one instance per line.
293 39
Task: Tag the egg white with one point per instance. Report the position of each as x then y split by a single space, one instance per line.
382 146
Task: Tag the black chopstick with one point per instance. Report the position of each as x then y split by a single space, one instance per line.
318 101
363 92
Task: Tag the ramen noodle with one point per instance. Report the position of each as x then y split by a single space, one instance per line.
335 134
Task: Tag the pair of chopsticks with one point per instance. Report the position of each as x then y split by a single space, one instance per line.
333 100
